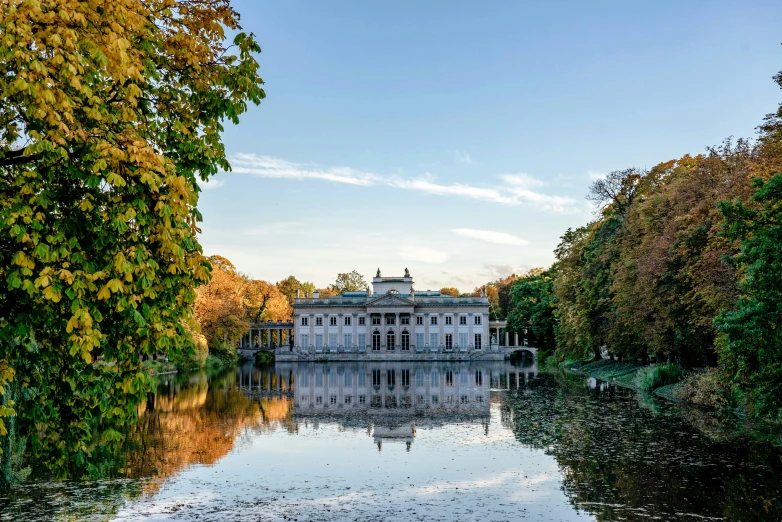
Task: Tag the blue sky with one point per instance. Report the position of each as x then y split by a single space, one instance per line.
458 139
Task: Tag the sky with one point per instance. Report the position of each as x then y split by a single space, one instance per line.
458 139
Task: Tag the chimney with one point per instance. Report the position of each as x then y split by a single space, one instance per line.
316 295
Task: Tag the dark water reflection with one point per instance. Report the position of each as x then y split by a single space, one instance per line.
414 441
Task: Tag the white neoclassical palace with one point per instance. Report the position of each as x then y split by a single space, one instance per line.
389 321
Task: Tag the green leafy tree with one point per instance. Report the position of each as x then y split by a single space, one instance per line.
110 116
533 308
349 282
750 337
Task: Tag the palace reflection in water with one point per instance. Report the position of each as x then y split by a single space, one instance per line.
389 399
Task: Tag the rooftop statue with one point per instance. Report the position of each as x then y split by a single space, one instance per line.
407 272
378 273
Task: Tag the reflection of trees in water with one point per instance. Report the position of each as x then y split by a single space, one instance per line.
621 462
196 422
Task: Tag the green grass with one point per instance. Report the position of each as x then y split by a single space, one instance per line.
159 366
652 377
264 358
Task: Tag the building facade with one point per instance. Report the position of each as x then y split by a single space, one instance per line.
391 321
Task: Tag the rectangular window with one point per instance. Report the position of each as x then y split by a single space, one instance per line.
448 319
433 320
318 378
305 321
435 399
362 399
377 401
347 399
332 321
463 340
375 377
348 378
362 379
347 320
419 340
419 378
421 399
305 379
362 320
333 399
449 377
434 342
318 400
448 341
375 319
462 319
362 340
318 321
478 343
419 320
391 377
305 340
464 378
465 399
390 319
404 320
405 375
435 378
333 340
318 341
478 378
332 379
348 340
477 319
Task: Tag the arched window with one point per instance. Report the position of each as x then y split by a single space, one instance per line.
390 340
405 341
375 341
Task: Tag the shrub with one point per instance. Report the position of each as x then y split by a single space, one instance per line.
262 358
223 350
652 377
707 389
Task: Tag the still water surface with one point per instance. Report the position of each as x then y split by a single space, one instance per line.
415 441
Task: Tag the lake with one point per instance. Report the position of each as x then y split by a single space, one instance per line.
415 441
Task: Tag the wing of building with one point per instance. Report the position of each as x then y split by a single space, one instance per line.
391 321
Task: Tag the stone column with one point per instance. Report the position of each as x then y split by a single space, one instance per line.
383 332
470 335
440 323
507 338
398 330
311 322
354 324
340 337
426 330
516 338
326 322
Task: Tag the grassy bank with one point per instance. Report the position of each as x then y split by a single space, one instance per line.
660 379
212 364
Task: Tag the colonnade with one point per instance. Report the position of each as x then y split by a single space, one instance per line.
277 334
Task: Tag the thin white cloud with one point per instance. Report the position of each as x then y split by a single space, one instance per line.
522 180
211 184
490 236
423 255
516 190
595 175
463 157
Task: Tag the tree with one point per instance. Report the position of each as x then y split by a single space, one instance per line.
750 338
450 291
110 115
289 286
349 282
533 307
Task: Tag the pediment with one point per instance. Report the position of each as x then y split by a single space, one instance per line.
391 300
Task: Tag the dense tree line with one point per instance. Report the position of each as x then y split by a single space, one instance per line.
682 264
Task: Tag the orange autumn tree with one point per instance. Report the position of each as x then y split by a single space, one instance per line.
110 116
227 305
